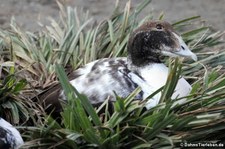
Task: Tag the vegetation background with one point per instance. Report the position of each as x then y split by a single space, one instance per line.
32 62
28 12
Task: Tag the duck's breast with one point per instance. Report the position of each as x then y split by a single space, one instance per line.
156 76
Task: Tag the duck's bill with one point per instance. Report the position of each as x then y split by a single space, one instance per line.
186 53
182 51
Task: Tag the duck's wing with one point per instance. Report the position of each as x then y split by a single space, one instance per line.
98 80
103 78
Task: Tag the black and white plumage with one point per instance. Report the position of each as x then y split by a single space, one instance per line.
142 67
10 137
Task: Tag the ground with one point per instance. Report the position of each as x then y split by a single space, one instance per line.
29 12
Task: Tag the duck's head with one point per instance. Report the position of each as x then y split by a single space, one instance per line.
155 39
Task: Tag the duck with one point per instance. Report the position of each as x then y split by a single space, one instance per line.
107 77
10 138
143 67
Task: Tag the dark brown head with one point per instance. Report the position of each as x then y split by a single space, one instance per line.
153 39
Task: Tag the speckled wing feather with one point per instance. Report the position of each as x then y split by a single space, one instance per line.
99 80
5 138
9 136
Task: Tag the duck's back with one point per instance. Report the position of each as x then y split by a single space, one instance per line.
99 79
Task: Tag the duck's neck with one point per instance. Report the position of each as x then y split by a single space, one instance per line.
135 63
140 59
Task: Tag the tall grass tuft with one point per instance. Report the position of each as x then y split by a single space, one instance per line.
32 63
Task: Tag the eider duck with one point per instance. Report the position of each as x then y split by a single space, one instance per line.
102 78
10 137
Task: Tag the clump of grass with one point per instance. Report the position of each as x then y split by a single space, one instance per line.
14 106
39 58
11 108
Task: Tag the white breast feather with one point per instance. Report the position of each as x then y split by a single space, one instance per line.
156 75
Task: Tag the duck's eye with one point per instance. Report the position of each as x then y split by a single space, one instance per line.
159 26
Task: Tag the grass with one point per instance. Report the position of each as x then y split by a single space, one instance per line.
31 63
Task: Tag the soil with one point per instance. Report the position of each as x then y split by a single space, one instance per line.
29 12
